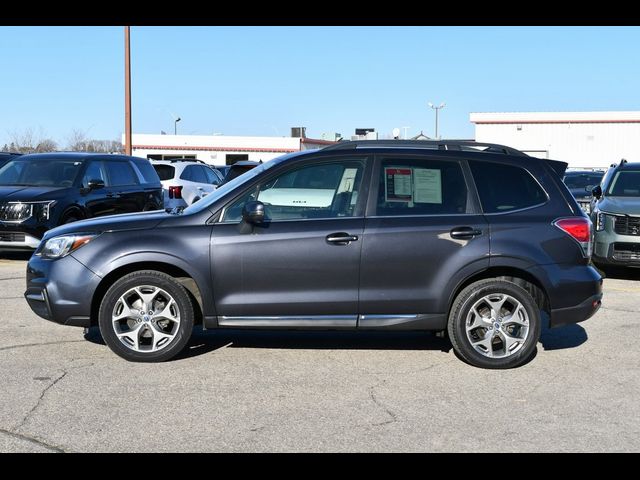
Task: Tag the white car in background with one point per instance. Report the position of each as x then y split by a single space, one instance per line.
185 180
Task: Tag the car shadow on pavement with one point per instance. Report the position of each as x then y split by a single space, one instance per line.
568 336
620 273
206 341
19 255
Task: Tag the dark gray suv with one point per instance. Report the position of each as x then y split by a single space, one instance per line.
470 239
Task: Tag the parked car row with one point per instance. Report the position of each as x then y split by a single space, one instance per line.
475 240
41 191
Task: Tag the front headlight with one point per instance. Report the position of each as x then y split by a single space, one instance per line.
601 221
58 247
42 210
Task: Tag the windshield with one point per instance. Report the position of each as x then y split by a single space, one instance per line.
232 185
583 180
625 184
40 173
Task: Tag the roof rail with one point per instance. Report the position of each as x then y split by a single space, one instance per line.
459 145
623 161
172 160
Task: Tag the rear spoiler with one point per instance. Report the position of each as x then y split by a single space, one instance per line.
557 166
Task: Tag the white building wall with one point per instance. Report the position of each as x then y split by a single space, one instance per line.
213 149
583 139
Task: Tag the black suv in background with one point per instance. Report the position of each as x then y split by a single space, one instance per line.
454 237
6 156
41 191
581 183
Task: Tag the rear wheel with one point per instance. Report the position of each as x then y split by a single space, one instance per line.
146 316
494 324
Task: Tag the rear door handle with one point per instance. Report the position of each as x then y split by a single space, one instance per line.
465 232
341 238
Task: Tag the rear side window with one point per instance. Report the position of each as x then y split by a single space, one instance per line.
148 172
421 187
194 173
165 172
121 173
212 178
503 188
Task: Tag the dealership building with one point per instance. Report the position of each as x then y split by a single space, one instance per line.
583 139
221 149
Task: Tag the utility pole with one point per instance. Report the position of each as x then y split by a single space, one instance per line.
127 92
439 107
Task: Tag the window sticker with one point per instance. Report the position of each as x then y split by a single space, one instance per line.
398 185
427 186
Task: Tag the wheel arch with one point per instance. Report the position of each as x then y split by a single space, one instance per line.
73 209
515 275
183 277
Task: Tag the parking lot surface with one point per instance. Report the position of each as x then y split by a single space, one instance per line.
237 391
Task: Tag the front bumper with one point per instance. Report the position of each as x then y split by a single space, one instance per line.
18 240
61 290
611 248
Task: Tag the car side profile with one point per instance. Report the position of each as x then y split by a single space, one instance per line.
185 180
471 240
41 191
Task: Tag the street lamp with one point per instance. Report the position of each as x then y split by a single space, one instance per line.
442 105
175 125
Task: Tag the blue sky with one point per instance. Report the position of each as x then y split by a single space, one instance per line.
264 80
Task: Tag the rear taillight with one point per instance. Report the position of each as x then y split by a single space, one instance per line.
175 192
580 229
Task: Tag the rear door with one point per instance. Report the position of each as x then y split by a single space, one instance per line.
125 186
423 230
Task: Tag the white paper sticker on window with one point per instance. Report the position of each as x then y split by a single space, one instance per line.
427 187
397 187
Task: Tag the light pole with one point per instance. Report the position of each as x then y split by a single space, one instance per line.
439 107
175 125
405 131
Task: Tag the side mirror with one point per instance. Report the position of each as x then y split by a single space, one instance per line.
253 212
95 184
597 192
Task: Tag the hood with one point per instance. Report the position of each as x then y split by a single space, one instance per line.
111 223
30 194
621 205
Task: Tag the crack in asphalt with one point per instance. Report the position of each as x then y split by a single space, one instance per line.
11 278
34 440
388 411
618 310
24 345
11 298
44 392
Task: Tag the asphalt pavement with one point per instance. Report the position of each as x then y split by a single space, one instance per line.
249 391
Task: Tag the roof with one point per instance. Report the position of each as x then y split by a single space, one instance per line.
79 156
554 117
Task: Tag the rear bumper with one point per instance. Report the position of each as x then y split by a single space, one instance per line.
575 291
577 313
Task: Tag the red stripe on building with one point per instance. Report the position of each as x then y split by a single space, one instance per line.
524 122
213 149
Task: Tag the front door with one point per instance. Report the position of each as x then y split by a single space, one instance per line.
301 268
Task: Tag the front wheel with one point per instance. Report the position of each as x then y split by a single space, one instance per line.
146 316
494 324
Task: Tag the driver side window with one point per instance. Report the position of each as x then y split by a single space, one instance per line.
320 190
95 171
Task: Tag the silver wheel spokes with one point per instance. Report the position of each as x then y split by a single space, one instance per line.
146 318
497 325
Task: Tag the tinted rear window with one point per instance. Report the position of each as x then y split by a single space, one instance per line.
148 172
165 172
503 188
582 180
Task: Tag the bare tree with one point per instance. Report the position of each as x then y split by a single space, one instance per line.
79 141
31 141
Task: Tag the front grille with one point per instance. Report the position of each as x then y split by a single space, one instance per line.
626 225
12 237
626 251
14 212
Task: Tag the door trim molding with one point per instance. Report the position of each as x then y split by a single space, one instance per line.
304 321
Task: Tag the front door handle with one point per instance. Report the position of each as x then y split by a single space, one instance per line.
341 238
465 232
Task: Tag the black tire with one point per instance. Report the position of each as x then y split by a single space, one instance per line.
460 312
155 279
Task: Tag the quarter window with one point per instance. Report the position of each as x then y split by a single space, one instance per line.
326 190
503 188
421 187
